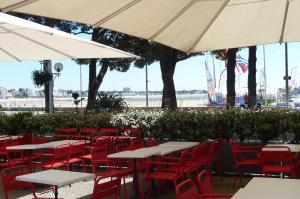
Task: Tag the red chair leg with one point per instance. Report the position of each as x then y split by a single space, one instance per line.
124 185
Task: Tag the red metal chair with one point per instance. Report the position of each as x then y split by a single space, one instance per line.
59 158
277 159
187 190
185 165
133 132
159 171
107 188
215 155
243 157
201 155
206 188
98 154
9 182
77 150
11 158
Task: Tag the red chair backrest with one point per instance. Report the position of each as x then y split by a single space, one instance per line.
151 142
121 147
187 190
201 151
91 131
77 149
216 147
185 156
234 146
100 151
25 139
205 183
109 131
134 132
276 155
136 144
61 153
107 188
8 177
39 140
67 130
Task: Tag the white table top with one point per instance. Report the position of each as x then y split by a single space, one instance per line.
266 188
138 153
187 144
7 137
150 151
49 145
55 177
295 148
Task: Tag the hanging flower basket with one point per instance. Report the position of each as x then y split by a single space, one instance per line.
41 77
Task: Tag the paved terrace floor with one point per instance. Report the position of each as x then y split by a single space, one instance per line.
83 190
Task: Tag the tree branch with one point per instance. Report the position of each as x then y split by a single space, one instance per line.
82 32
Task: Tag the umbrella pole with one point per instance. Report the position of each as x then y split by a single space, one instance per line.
147 97
286 76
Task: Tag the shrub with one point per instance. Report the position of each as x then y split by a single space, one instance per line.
190 125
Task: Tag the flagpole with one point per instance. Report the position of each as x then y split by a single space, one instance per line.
265 76
286 76
214 70
147 97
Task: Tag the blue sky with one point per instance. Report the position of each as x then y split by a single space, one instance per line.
189 74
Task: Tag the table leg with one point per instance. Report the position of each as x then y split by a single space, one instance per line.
55 192
135 181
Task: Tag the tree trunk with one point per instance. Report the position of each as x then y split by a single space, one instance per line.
252 77
95 81
92 77
168 60
231 62
48 87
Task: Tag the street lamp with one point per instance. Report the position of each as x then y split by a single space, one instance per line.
58 67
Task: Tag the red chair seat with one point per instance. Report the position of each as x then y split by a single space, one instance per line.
163 175
13 162
249 162
87 157
278 168
74 160
54 165
187 169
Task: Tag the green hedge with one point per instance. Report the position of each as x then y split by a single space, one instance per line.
262 125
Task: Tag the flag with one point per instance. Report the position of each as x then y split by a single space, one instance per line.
241 62
210 82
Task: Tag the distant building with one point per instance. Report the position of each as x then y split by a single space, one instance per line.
126 90
3 92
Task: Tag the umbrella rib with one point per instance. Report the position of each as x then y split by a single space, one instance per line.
115 13
284 20
18 5
9 54
209 25
173 19
36 42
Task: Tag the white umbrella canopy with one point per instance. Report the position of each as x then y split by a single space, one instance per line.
22 40
187 25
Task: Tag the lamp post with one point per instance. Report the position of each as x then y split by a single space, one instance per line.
295 67
80 86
